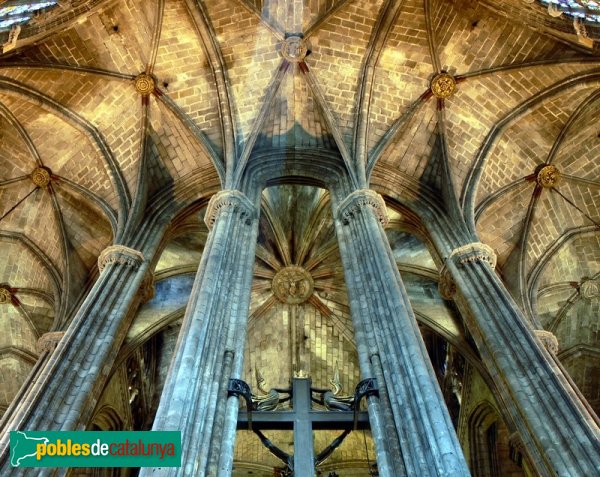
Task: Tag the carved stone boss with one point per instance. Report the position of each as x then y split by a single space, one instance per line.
294 49
443 85
590 288
6 295
292 285
144 84
41 176
548 176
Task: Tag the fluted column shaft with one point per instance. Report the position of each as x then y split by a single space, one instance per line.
558 432
390 347
211 339
65 392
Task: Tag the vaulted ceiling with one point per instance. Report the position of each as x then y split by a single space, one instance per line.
72 105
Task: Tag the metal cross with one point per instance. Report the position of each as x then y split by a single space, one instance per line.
302 420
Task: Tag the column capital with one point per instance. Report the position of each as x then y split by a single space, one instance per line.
229 199
446 285
147 289
358 200
548 339
121 255
49 341
473 252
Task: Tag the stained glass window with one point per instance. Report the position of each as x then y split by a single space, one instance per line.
15 13
588 10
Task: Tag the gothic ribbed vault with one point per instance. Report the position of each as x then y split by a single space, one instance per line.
108 108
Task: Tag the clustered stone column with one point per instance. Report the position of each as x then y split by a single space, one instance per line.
558 432
390 348
210 348
64 394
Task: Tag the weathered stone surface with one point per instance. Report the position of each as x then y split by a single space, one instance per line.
211 349
390 348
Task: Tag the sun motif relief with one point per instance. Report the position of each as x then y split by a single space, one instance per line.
292 285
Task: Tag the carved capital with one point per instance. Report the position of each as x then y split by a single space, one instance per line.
446 285
49 341
232 200
548 339
473 252
147 287
360 199
121 255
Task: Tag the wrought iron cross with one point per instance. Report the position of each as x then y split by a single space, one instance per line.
303 420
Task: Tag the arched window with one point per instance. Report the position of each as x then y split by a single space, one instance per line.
483 440
106 419
491 447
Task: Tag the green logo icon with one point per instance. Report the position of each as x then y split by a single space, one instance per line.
95 448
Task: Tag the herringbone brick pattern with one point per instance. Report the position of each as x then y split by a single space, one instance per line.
410 149
466 33
403 70
338 48
176 151
250 53
575 260
184 71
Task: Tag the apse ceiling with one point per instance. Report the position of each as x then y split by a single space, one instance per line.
306 328
107 104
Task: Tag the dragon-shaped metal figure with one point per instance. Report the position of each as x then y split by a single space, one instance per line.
269 399
332 399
